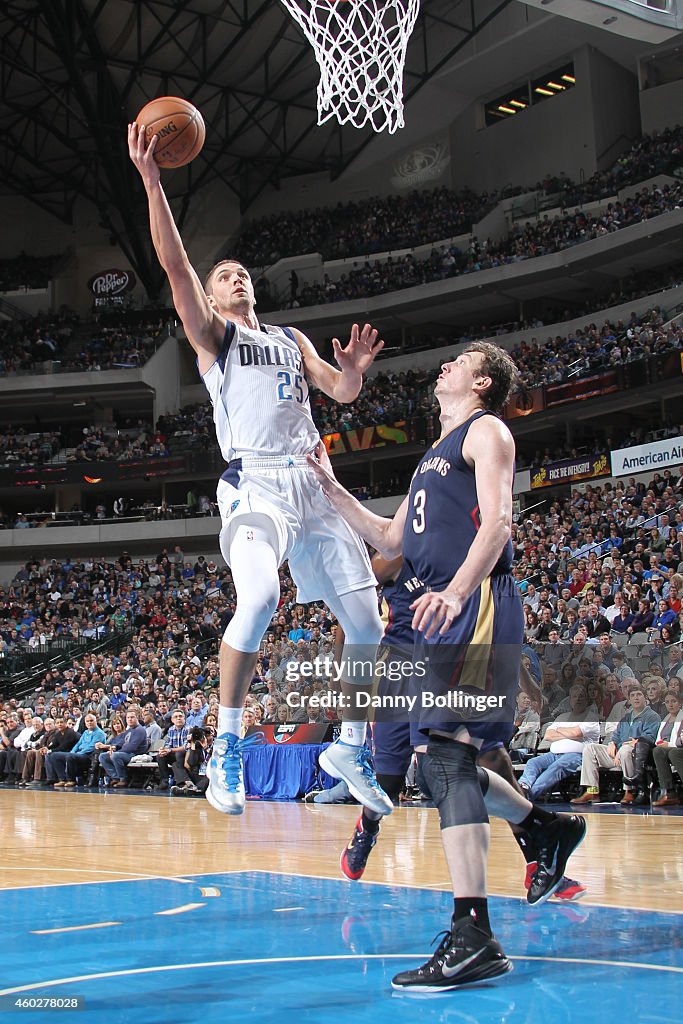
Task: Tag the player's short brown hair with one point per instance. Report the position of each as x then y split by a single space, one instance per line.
208 280
504 375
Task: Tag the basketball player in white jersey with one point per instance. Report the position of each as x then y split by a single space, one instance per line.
271 505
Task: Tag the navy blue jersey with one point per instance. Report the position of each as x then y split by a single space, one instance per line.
443 512
397 597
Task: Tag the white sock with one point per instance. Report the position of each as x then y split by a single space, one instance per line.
353 733
229 720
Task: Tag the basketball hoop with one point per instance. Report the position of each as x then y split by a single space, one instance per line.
360 47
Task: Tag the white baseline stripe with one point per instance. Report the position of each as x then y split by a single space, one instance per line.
161 968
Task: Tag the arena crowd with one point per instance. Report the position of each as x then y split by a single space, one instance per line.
381 223
387 398
597 570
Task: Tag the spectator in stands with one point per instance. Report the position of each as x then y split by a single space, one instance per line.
32 728
175 743
639 723
623 620
152 728
622 670
595 693
655 691
117 699
66 740
34 760
187 770
668 751
270 708
78 761
527 725
566 736
8 734
595 623
642 620
118 753
665 617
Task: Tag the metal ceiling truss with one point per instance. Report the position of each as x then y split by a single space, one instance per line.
73 72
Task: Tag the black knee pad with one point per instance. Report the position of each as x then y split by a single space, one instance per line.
450 771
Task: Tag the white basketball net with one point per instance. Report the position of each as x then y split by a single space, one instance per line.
360 47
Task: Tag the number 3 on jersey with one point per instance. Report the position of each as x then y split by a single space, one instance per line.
419 506
290 387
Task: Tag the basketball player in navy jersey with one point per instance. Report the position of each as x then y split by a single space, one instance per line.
391 747
453 530
271 505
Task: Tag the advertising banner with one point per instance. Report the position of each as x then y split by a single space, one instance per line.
655 456
570 470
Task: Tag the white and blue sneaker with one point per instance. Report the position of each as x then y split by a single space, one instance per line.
352 764
224 771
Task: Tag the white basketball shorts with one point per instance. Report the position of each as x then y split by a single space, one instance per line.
326 557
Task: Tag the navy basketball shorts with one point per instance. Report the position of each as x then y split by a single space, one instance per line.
471 673
391 749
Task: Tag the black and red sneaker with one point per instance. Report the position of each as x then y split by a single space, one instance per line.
568 890
355 855
530 872
556 842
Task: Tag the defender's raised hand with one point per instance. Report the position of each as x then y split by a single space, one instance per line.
319 462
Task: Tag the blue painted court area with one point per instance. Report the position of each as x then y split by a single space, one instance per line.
292 948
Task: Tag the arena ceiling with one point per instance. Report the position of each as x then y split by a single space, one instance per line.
75 71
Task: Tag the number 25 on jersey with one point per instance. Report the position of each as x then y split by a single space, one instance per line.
290 387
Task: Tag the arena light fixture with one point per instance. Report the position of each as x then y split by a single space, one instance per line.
552 82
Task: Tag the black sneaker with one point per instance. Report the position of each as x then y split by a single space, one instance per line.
355 856
465 956
556 842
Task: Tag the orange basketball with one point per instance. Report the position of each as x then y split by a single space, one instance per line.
180 128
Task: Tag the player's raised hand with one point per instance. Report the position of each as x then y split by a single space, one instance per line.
142 155
435 611
361 351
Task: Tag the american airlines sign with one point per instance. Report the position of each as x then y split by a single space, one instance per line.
643 457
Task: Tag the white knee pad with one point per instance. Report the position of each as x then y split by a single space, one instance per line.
359 617
254 567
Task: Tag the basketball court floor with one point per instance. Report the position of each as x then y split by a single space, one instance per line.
146 909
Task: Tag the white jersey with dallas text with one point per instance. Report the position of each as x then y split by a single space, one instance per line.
260 395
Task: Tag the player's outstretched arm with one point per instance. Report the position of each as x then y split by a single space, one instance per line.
386 535
203 326
342 385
